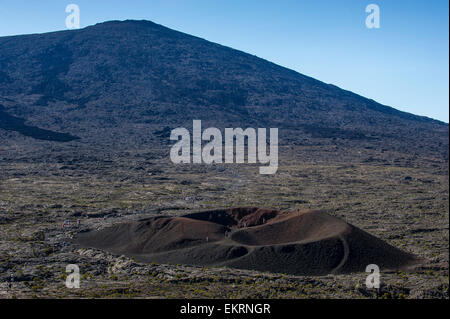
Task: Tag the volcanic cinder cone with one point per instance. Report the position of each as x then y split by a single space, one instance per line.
303 242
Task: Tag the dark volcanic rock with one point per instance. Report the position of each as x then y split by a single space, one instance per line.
130 82
301 243
12 123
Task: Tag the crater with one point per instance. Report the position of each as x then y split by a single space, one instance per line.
304 242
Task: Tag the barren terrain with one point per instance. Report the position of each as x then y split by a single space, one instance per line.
394 197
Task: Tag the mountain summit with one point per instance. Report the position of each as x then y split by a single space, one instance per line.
131 81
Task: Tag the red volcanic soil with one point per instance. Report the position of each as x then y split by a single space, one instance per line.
303 242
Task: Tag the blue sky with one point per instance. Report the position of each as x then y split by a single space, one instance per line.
403 64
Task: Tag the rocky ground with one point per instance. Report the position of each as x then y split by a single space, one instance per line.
400 198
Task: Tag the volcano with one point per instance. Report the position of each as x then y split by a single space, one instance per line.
304 242
128 83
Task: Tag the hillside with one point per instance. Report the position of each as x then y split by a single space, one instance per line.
125 82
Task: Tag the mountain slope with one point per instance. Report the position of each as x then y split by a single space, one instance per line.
124 81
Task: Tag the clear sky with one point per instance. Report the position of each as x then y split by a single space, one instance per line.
403 64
